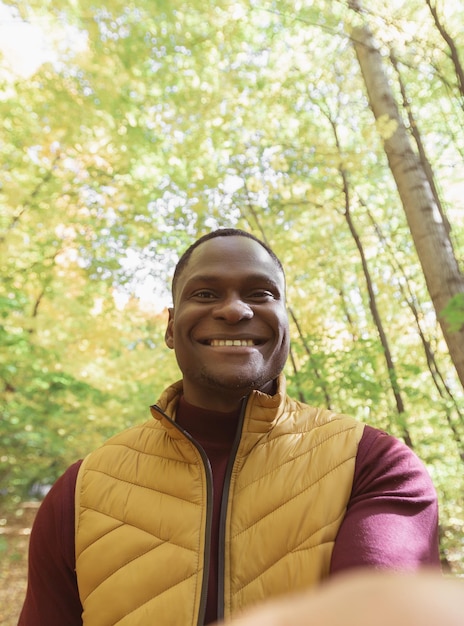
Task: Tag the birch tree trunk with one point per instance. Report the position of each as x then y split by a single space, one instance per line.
430 235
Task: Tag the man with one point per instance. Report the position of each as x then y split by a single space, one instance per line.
234 492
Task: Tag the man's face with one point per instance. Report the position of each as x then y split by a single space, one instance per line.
229 325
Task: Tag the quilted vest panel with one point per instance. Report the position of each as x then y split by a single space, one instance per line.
288 497
141 530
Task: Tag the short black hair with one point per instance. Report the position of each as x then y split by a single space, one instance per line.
220 232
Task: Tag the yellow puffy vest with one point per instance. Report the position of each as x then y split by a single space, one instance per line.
143 512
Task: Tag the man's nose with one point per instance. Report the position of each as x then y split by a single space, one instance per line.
232 310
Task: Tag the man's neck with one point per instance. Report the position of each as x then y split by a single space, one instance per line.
223 400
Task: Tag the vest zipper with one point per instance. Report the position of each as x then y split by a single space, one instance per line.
209 514
223 514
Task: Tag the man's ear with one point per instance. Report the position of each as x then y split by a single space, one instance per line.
169 334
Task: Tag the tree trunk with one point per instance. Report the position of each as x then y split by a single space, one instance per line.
391 370
438 377
431 239
419 143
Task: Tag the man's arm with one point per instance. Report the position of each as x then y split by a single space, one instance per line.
392 518
52 596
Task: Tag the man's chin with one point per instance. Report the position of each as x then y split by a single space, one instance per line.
237 383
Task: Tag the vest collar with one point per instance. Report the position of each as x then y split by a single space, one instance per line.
261 412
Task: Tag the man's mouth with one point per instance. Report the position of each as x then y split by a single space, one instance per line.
244 343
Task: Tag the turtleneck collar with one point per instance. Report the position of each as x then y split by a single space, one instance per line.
206 425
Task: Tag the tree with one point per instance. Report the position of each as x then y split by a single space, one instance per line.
429 230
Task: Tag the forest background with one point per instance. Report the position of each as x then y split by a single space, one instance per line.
129 129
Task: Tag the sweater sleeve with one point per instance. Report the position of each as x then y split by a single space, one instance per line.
392 517
52 596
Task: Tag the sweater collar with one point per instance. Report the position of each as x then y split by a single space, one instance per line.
207 426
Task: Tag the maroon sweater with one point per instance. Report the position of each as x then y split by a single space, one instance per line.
391 520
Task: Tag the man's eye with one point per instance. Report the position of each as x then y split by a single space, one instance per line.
203 294
262 294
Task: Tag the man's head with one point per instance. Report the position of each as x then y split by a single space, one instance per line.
228 325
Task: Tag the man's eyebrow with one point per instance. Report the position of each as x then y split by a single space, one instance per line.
264 279
251 278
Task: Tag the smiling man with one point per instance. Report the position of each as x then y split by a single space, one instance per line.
233 493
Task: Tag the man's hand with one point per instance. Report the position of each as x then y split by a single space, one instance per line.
367 598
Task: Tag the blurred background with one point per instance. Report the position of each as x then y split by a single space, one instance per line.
332 130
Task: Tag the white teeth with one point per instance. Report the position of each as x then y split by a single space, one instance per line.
232 342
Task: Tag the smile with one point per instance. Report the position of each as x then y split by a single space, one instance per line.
246 343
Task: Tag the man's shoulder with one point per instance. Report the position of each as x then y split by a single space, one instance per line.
384 458
134 438
319 424
314 417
